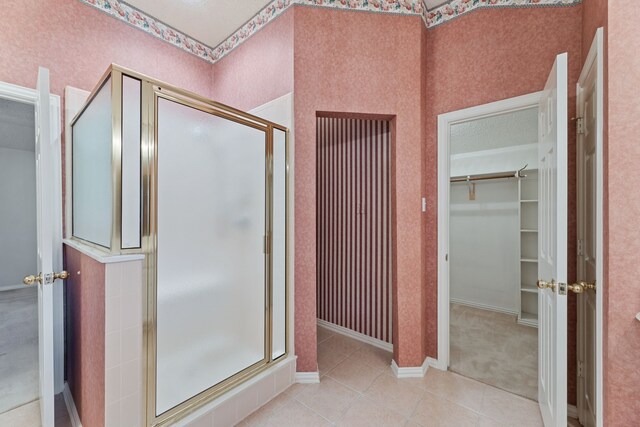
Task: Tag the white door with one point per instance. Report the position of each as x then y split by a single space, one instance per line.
589 167
552 247
45 214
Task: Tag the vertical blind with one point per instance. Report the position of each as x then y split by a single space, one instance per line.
354 225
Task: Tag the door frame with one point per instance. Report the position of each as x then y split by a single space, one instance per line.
444 124
30 96
594 59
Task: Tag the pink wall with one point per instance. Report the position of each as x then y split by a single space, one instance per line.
622 238
354 223
85 323
77 43
339 66
260 70
360 63
594 15
486 56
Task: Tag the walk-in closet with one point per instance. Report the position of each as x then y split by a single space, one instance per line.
493 250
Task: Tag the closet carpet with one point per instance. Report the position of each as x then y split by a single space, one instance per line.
18 347
492 348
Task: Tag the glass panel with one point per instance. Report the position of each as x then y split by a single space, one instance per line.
18 258
210 265
279 236
92 190
131 121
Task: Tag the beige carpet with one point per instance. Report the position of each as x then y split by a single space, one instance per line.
18 347
492 348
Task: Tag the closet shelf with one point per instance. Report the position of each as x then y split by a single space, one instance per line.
528 230
529 288
528 201
528 260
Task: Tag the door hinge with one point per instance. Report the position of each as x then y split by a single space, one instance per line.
265 242
580 247
580 125
580 369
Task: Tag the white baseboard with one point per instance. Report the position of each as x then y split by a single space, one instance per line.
484 306
307 377
412 372
572 411
71 406
356 335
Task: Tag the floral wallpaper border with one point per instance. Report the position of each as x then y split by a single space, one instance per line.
150 25
439 15
454 8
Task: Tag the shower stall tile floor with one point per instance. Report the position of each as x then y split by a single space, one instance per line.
358 388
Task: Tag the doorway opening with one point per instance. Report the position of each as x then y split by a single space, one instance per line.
492 215
354 273
19 387
31 318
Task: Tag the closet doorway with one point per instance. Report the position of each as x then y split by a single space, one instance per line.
493 245
353 203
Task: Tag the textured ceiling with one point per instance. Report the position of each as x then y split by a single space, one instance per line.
505 130
209 21
17 125
434 3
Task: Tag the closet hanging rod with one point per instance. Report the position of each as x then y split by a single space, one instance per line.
488 176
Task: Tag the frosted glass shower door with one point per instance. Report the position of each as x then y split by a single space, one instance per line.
211 279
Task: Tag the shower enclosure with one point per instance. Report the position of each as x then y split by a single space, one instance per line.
199 188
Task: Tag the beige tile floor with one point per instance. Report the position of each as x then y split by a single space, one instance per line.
28 415
357 388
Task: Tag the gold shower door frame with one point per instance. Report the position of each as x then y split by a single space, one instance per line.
152 91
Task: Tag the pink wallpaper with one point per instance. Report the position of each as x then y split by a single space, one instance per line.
493 55
77 42
260 70
85 323
622 299
355 62
354 225
594 15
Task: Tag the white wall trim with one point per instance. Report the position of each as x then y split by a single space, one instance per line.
30 96
307 377
444 124
483 306
71 406
355 335
413 372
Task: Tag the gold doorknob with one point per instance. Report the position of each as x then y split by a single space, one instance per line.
30 280
576 288
541 284
580 287
62 275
